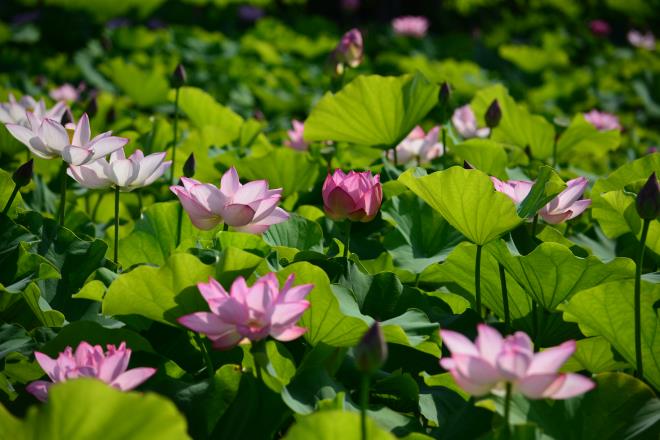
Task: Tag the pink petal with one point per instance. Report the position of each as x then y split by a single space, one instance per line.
550 361
113 365
288 314
457 343
133 378
277 216
535 386
204 322
232 312
229 183
226 341
476 370
54 135
22 134
297 293
76 155
47 364
569 385
475 389
339 204
39 389
201 217
107 145
237 215
579 207
513 362
488 342
285 334
555 219
82 133
213 293
250 192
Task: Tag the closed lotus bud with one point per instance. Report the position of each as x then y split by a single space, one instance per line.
178 76
493 114
189 166
92 107
23 174
371 351
67 118
445 93
467 165
648 199
354 196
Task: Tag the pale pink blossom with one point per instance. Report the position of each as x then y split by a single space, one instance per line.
410 26
517 190
44 137
110 367
418 145
248 208
349 50
83 149
465 123
600 28
643 41
251 313
354 196
67 92
602 121
296 140
15 112
488 364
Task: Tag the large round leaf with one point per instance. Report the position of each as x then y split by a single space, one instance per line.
332 425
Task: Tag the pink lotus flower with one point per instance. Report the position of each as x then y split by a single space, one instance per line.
66 92
248 208
250 312
82 149
643 41
600 28
465 123
14 112
349 50
356 196
128 174
90 361
490 362
410 26
602 121
566 206
296 140
423 147
45 138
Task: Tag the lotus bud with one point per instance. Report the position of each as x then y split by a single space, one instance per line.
493 114
92 107
371 351
189 166
178 78
648 199
23 174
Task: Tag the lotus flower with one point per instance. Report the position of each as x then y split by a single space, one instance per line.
465 123
83 150
356 196
349 50
424 147
90 361
296 140
602 121
248 208
643 41
14 112
490 362
250 312
66 92
45 138
410 26
567 205
600 28
128 174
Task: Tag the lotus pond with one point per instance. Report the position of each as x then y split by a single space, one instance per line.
329 220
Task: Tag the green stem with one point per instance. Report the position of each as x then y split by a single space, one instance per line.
207 357
638 300
554 154
507 406
116 260
477 279
364 404
505 298
444 139
11 200
175 133
396 156
96 205
62 206
534 223
348 238
535 323
139 198
179 220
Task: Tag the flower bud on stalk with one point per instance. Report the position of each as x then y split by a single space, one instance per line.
189 166
648 199
23 174
493 114
179 76
371 351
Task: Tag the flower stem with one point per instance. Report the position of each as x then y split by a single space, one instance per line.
62 206
638 300
534 223
207 357
11 200
396 156
477 280
116 260
179 220
535 323
348 238
175 133
364 404
444 139
507 406
505 298
96 205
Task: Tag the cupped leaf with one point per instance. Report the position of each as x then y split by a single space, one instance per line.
551 273
607 310
581 138
595 355
372 110
485 155
467 200
331 425
637 170
296 233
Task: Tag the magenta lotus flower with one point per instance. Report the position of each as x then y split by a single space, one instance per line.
354 196
640 40
90 361
600 28
602 121
349 50
128 174
67 92
15 112
465 123
488 364
248 208
410 26
418 145
250 312
82 149
296 140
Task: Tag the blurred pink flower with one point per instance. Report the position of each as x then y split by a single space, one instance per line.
15 112
90 361
66 92
349 50
423 147
465 123
600 28
490 362
248 208
643 41
350 5
602 121
130 173
354 196
410 26
250 312
296 140
82 150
